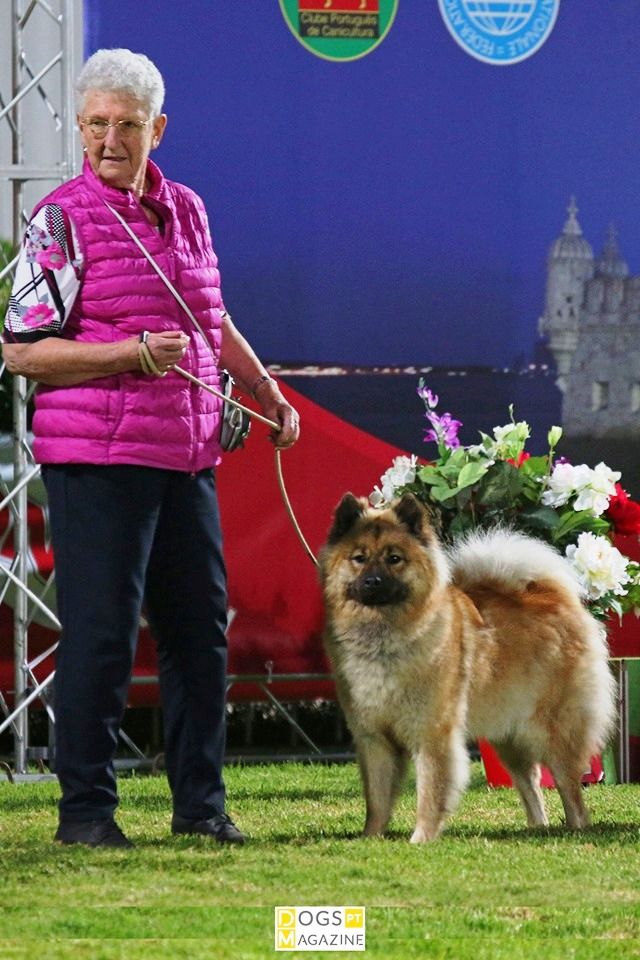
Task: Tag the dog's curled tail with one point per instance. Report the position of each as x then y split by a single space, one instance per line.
508 560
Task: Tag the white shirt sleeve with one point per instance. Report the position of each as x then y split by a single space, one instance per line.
47 278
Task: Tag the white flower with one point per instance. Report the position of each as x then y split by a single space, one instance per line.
553 437
376 498
592 488
401 472
512 433
560 485
485 449
600 567
594 496
507 442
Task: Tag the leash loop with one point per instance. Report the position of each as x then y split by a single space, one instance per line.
205 386
274 426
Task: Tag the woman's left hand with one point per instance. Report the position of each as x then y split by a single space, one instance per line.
275 407
290 426
238 357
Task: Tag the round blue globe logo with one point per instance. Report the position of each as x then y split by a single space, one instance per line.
500 32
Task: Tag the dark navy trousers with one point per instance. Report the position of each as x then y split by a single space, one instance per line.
124 536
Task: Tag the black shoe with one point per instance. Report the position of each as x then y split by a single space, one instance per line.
221 828
93 833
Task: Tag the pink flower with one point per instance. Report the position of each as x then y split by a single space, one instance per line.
431 399
445 430
38 316
51 257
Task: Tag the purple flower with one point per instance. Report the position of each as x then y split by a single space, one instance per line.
445 430
431 399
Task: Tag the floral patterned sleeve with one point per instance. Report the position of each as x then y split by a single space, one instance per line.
47 278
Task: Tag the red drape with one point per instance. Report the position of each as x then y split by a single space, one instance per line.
273 585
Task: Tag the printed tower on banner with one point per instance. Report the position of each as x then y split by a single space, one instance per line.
592 324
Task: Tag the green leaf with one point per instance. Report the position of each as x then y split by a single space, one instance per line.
539 518
462 523
458 456
501 486
429 475
575 522
463 498
600 526
614 604
471 473
442 493
535 467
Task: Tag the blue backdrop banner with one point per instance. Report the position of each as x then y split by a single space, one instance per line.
414 206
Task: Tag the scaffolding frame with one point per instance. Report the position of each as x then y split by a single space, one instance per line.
36 25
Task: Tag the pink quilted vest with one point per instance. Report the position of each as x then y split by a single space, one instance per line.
133 418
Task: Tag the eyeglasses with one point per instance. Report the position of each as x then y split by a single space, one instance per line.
127 129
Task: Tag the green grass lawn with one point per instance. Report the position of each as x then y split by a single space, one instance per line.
489 888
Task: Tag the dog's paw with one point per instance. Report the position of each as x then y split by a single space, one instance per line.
427 833
420 835
373 832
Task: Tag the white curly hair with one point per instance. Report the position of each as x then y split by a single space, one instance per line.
121 71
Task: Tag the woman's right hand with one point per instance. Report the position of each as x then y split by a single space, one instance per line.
58 362
167 348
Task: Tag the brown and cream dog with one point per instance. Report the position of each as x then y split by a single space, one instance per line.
430 647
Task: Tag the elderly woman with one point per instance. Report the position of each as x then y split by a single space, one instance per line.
128 449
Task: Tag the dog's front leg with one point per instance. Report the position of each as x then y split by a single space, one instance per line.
382 767
429 812
441 775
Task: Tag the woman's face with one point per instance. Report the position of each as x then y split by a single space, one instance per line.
119 158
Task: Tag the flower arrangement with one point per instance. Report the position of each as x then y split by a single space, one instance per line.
578 509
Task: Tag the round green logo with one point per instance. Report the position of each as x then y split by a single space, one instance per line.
339 29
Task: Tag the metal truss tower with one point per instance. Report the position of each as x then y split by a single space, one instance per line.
36 153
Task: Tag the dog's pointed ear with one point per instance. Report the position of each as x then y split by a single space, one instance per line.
412 514
347 513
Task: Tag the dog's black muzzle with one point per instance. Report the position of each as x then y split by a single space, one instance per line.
376 590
